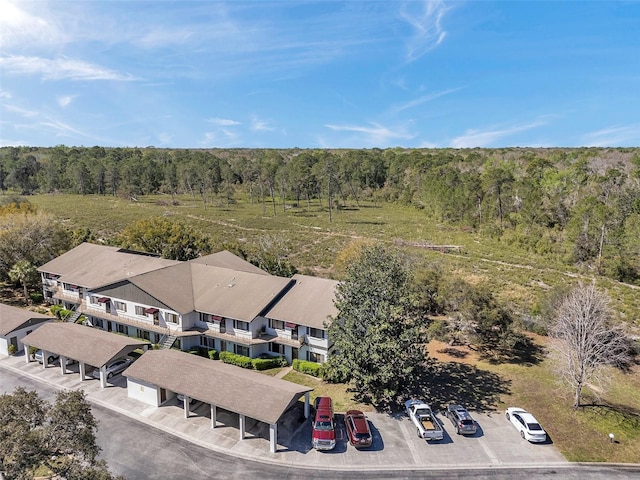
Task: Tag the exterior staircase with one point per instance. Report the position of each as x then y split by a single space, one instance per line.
75 316
167 341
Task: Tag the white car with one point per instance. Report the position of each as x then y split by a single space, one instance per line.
526 424
51 358
113 368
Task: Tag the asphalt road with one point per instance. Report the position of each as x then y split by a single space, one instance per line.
139 452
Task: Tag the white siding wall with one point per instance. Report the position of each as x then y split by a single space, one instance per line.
143 392
4 346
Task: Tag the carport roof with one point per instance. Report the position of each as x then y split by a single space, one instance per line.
78 342
13 318
236 389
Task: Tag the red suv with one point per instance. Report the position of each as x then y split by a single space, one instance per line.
324 434
358 429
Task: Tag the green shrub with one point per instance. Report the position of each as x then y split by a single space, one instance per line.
36 297
214 355
267 363
12 349
310 368
193 351
56 309
234 359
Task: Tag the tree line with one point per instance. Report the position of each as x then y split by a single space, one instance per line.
579 205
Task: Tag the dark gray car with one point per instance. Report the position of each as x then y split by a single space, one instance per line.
465 425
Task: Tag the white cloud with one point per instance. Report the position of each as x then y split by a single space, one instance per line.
61 68
425 18
165 138
19 27
618 136
423 99
223 122
487 138
4 94
23 112
62 129
65 100
374 135
259 125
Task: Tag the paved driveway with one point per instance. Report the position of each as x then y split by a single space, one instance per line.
396 445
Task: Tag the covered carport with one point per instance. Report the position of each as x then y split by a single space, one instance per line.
86 345
238 390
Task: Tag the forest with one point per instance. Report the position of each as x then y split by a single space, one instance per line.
579 206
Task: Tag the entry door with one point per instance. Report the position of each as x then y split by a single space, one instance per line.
109 327
163 395
294 353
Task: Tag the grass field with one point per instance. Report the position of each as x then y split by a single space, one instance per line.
516 277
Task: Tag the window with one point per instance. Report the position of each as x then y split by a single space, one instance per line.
277 324
140 310
205 317
120 306
276 348
240 325
171 317
93 299
241 350
316 357
122 329
223 345
97 322
316 332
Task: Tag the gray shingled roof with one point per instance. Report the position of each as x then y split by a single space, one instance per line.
236 389
94 266
226 259
309 302
13 318
85 344
214 290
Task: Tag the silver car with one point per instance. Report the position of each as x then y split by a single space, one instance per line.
114 367
465 425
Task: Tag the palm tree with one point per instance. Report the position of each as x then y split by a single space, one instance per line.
25 273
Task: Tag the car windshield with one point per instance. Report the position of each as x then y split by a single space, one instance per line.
362 435
534 426
324 425
467 422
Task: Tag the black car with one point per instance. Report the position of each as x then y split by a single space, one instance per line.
465 425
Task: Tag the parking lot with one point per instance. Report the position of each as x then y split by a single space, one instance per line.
395 445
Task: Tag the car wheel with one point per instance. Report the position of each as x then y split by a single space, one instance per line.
522 434
109 375
418 432
50 360
507 415
457 431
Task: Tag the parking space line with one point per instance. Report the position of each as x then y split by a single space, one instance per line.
488 451
417 458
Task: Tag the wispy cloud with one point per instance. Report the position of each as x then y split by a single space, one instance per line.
23 112
223 122
426 20
258 125
5 95
422 99
20 27
57 69
487 138
373 135
618 136
65 100
62 129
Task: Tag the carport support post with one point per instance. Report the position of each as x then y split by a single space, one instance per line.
306 404
45 357
242 425
214 412
63 364
83 372
185 406
273 437
103 377
27 356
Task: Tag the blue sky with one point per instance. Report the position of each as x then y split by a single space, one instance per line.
329 74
